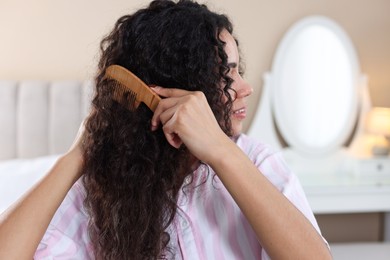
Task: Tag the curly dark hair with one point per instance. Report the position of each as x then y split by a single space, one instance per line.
132 175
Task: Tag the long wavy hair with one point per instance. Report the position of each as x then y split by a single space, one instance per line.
132 175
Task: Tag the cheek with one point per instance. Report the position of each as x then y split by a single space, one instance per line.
231 93
225 96
232 90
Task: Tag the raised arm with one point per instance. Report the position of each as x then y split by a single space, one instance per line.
23 225
283 231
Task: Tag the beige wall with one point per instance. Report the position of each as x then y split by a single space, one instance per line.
45 39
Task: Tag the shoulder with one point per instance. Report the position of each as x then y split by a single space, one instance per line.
269 161
257 151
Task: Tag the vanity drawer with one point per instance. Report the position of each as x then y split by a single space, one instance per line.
373 166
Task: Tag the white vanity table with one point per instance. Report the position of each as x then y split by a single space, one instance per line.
351 192
358 192
347 196
343 193
316 99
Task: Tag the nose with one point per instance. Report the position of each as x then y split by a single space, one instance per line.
243 89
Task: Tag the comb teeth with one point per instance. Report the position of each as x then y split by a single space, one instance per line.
129 90
125 96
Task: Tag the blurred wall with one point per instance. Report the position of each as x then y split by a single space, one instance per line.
44 39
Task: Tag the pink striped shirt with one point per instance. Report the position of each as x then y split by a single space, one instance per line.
208 224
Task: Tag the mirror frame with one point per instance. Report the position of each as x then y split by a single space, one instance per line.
280 121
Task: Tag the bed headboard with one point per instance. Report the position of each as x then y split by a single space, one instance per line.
39 118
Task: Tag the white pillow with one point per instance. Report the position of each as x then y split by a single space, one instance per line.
18 175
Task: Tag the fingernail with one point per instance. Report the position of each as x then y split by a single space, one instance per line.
153 127
154 87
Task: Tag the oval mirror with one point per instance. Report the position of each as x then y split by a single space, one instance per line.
315 91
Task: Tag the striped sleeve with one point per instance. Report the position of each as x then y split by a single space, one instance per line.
67 234
276 170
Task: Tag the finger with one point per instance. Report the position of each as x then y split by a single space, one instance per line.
164 105
168 119
172 137
170 92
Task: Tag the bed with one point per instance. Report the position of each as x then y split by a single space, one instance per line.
38 122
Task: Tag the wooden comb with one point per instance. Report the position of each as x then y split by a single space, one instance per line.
132 88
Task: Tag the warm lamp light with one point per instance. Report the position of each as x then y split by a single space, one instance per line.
378 123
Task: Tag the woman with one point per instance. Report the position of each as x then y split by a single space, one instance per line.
182 183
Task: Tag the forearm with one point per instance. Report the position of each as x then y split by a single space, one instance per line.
283 231
23 225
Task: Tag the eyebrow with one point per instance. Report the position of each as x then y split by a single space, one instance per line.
232 65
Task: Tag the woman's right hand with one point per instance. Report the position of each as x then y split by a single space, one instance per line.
186 117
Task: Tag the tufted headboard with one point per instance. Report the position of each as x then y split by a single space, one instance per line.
39 118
